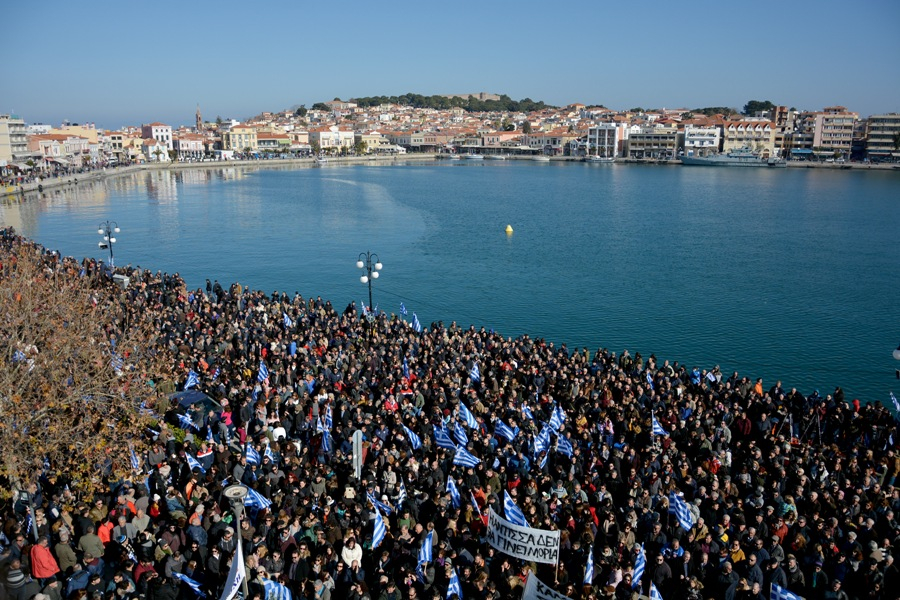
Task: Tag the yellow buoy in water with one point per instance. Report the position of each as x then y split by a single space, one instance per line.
509 230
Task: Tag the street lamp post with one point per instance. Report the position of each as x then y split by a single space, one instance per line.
236 494
369 261
107 228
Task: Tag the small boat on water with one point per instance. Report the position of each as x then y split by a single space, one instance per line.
742 157
473 156
495 157
540 158
603 160
454 157
321 161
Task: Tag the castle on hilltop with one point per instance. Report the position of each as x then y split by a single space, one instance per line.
479 96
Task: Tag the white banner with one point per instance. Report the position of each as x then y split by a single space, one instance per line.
535 589
529 544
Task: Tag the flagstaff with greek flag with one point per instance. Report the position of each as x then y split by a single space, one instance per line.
657 428
442 438
401 497
467 415
236 575
417 327
275 591
589 567
263 373
254 499
640 563
425 551
654 593
780 593
454 492
380 529
475 373
459 432
512 512
193 380
193 463
463 458
454 588
679 508
414 440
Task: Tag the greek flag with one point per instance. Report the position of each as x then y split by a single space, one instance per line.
193 463
505 431
527 412
544 461
253 455
442 438
403 310
379 504
454 492
405 368
564 446
557 419
466 414
780 593
542 441
425 552
329 422
135 461
459 432
589 567
401 497
896 402
263 373
380 529
475 373
414 440
454 587
463 458
657 428
189 582
326 442
216 374
654 593
650 379
288 323
513 513
29 524
417 327
639 564
679 508
117 363
193 380
186 423
236 575
254 499
365 311
474 503
267 453
272 590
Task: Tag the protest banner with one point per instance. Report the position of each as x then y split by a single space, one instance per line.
535 589
527 543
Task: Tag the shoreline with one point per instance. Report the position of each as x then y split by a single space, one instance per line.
109 173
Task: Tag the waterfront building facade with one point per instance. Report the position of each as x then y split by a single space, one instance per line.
651 142
13 139
759 136
833 131
883 137
159 132
603 140
701 141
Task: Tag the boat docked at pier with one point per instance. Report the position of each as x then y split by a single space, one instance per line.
742 157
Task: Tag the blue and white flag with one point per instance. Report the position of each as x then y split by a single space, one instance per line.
463 458
640 563
135 461
267 453
466 414
426 551
116 362
186 423
544 461
414 440
272 590
459 432
654 593
253 457
505 431
679 508
29 524
329 421
19 356
254 499
380 529
189 582
454 492
475 373
365 311
288 323
896 402
403 310
542 441
650 379
193 380
564 446
236 575
263 373
512 512
386 508
780 593
216 373
589 567
557 419
401 497
454 587
442 438
527 412
326 442
657 428
193 463
405 368
195 586
474 504
417 327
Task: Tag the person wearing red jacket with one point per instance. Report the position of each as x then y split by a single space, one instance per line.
43 565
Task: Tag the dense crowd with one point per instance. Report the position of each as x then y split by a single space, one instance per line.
782 487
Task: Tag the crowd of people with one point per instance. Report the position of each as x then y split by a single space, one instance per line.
782 487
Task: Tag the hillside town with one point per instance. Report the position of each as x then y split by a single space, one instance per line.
340 128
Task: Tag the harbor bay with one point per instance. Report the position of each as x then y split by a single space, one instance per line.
787 274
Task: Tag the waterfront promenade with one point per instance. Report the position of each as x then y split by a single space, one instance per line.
777 487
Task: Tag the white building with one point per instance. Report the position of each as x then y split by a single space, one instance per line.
701 141
160 132
603 140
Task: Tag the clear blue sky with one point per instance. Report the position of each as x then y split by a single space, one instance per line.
116 63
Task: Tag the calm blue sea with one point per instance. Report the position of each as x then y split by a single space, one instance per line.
790 274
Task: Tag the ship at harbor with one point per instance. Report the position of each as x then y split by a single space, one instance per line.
742 157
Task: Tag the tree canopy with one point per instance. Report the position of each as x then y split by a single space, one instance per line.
755 106
715 110
470 104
